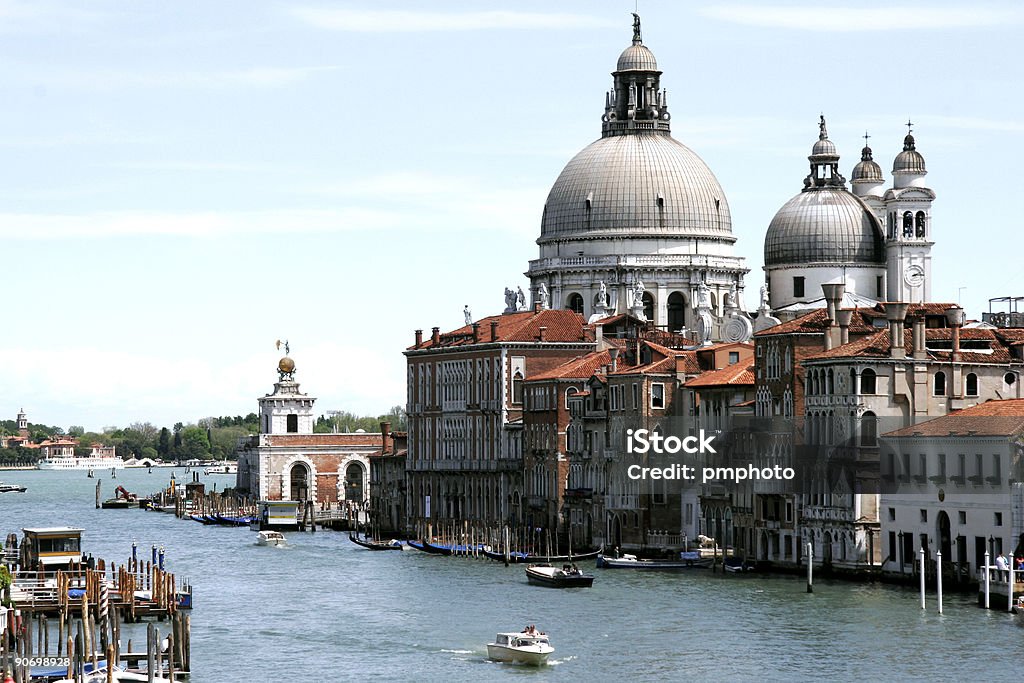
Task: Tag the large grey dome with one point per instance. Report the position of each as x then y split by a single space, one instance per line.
640 185
636 58
824 225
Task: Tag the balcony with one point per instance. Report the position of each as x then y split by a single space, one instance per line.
826 513
580 494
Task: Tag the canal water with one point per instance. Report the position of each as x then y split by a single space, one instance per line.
324 609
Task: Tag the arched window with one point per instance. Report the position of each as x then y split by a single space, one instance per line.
830 385
939 384
919 220
868 429
972 384
517 388
868 384
648 306
575 303
1010 378
571 391
908 224
676 311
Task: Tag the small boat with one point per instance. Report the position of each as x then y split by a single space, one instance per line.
274 538
11 488
393 544
737 565
516 557
569 576
687 560
529 647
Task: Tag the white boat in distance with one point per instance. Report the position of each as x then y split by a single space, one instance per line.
529 647
274 538
229 468
70 462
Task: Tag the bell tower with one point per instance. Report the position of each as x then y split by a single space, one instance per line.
908 221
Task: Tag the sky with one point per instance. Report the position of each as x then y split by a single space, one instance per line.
182 184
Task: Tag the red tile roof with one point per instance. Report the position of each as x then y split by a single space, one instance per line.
580 367
562 326
877 346
737 374
992 418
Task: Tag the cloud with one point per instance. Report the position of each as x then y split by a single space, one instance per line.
819 18
407 201
116 79
397 21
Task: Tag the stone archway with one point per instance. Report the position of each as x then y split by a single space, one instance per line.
355 481
298 481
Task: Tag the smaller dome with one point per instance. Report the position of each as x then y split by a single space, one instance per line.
867 169
637 57
286 364
823 147
909 160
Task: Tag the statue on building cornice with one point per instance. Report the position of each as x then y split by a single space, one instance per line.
520 300
542 294
468 315
510 301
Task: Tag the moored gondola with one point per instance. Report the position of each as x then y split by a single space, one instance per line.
376 545
521 558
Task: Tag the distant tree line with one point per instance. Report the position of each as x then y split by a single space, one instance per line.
210 437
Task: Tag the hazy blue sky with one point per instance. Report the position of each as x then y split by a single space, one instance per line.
184 183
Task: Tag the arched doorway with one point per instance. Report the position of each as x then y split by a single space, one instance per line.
575 303
616 532
354 482
676 311
826 549
945 538
648 300
299 481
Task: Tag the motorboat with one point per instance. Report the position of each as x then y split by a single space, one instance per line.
687 560
274 538
566 576
737 565
11 488
529 647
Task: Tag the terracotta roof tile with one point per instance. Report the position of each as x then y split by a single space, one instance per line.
992 418
562 326
732 375
580 367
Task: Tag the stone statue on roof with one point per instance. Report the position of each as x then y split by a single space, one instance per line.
765 305
602 295
703 296
467 315
638 292
520 300
542 295
510 301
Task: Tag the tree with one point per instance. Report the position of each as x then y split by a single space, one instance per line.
194 444
164 444
396 416
76 431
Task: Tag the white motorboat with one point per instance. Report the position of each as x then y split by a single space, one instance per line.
8 488
274 538
528 647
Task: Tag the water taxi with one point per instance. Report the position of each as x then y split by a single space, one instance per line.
274 538
568 576
11 488
528 647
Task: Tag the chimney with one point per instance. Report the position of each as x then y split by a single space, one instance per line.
955 318
476 332
895 313
419 338
919 338
833 300
613 352
385 437
494 330
599 336
541 333
536 307
844 318
435 335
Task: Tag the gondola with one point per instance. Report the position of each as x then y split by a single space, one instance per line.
523 558
376 545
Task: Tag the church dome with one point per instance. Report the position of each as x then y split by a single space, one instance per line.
641 184
826 225
867 168
637 57
909 160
